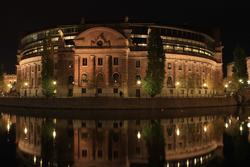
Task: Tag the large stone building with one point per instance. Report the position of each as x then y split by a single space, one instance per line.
111 59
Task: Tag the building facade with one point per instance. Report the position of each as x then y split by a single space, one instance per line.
9 83
111 60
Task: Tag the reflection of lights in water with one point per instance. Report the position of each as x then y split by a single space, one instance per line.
248 124
226 125
241 128
178 132
201 160
178 164
187 162
54 120
138 135
54 134
230 121
41 163
8 126
195 161
25 130
34 159
205 128
167 164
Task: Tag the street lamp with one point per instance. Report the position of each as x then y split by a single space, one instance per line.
226 125
25 130
54 82
177 84
138 135
138 82
26 84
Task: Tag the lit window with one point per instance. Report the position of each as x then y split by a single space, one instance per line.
115 90
180 66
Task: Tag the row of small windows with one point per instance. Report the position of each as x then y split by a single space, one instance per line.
115 62
99 61
180 67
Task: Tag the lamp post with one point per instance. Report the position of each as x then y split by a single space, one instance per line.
26 84
205 87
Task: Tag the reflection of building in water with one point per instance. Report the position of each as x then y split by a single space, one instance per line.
104 59
88 143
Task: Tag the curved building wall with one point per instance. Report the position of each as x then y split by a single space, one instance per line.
111 60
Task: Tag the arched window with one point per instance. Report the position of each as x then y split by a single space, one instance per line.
169 82
116 77
84 77
99 77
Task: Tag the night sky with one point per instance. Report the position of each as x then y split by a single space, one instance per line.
19 19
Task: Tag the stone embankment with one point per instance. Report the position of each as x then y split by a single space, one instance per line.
110 108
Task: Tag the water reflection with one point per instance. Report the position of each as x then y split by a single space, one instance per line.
189 141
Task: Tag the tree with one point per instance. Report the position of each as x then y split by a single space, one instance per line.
47 70
240 66
153 82
153 135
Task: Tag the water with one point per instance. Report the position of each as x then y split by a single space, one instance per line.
194 139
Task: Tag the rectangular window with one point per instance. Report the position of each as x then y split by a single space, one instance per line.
84 153
38 68
115 154
138 150
99 90
115 90
99 154
180 67
115 125
137 64
100 61
84 61
99 124
116 61
169 146
169 66
84 90
83 124
137 93
84 135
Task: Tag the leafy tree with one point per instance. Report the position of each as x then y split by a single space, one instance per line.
47 70
153 135
153 82
240 66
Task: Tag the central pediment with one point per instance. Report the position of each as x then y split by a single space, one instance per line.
100 37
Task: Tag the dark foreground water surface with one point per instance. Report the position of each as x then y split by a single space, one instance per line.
217 138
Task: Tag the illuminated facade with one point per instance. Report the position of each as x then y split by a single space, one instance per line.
9 82
111 60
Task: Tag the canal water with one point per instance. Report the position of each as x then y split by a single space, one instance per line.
217 138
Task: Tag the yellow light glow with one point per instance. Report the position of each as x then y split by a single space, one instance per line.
205 85
34 159
25 130
226 125
205 128
187 163
241 128
54 134
54 83
9 85
248 124
25 83
226 85
178 132
138 82
138 135
195 161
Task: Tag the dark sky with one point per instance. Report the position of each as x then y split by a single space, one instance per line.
20 18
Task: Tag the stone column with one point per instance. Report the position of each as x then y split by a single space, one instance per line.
76 70
107 69
91 74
